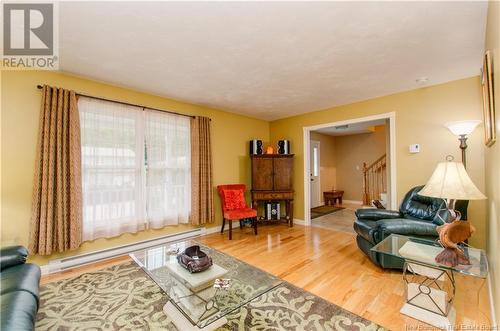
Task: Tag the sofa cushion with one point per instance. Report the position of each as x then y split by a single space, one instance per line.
366 228
23 277
18 310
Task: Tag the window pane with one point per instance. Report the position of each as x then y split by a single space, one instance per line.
315 161
168 172
112 166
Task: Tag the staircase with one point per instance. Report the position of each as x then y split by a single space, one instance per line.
374 179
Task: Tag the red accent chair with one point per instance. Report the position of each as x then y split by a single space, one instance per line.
234 207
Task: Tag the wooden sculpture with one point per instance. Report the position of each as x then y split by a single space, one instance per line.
450 234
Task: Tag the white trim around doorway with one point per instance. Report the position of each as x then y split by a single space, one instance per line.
392 160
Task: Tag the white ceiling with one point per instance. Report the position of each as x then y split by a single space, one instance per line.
355 128
271 60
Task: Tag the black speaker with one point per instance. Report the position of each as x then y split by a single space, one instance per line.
256 147
272 211
283 147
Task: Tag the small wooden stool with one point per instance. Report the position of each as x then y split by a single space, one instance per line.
331 197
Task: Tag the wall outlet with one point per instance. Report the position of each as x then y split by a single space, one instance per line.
414 148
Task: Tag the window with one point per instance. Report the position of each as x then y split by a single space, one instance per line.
136 168
315 162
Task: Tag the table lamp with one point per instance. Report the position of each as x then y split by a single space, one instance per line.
451 182
462 129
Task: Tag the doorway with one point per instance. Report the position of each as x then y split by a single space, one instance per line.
360 175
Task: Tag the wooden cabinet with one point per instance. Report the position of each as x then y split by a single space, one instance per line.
282 174
272 180
272 172
262 173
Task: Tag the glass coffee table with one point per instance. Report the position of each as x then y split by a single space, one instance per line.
194 303
430 286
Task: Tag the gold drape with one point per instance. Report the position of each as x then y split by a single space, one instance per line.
202 209
56 222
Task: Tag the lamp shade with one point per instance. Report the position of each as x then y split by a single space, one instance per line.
451 181
459 128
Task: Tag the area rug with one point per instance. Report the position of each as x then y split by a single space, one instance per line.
323 210
123 297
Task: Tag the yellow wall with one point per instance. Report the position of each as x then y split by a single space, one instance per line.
327 162
492 158
351 152
19 127
420 115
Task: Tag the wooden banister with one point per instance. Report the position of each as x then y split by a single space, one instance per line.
374 179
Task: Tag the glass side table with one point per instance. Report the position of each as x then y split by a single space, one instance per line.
430 287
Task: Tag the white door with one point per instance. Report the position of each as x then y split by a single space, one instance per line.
315 183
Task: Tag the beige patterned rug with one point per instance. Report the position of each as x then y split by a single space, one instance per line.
123 297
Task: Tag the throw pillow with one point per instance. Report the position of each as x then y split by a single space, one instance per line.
235 199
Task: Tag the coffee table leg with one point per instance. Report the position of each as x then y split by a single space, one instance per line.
182 323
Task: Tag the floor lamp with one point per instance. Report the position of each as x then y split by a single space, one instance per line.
462 129
451 182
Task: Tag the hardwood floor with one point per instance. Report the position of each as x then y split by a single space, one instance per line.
329 264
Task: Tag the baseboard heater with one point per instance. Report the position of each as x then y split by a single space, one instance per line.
86 258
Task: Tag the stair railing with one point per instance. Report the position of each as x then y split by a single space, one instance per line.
374 179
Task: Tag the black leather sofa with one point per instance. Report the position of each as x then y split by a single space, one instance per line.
19 290
417 217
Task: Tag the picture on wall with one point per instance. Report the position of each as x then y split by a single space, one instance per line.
488 100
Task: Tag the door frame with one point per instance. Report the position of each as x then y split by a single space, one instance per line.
391 117
319 169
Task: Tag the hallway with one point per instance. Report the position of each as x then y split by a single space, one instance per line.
340 220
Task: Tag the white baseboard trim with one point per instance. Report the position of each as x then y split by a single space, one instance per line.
213 229
86 258
299 221
354 202
216 229
44 269
494 325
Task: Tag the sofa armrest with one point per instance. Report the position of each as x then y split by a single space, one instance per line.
12 255
375 214
407 227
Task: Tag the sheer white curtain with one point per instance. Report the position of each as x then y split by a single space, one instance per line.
136 168
168 168
112 137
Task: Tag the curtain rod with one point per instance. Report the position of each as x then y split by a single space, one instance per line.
127 103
